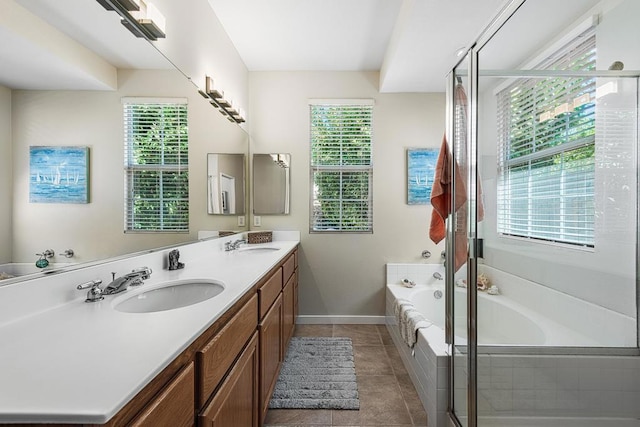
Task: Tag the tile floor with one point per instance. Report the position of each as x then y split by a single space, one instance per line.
387 396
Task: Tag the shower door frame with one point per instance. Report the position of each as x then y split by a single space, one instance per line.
472 54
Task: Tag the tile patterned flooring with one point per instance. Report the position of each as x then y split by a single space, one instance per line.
387 396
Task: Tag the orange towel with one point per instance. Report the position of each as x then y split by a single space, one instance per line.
441 202
441 191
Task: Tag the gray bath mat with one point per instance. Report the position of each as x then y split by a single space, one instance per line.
317 373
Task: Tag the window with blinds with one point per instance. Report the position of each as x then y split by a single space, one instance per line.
546 151
341 167
156 165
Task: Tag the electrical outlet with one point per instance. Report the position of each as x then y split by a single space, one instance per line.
257 221
240 221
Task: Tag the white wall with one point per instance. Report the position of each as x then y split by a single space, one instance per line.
94 119
198 45
6 180
344 274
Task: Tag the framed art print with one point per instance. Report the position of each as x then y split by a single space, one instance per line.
58 174
421 166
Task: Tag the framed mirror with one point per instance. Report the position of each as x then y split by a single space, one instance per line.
225 184
271 184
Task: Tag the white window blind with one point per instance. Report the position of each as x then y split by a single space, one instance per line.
156 165
341 167
546 151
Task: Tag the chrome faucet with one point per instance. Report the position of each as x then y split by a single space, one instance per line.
121 283
230 246
95 292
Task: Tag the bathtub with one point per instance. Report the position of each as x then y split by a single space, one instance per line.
577 388
17 269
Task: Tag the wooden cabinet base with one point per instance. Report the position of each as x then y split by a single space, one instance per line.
236 403
174 406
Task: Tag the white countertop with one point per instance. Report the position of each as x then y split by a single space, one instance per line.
82 362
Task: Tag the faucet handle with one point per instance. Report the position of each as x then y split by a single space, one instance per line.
95 291
144 272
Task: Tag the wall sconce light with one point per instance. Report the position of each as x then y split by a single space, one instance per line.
140 17
215 96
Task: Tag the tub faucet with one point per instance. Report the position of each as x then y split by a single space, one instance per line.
121 283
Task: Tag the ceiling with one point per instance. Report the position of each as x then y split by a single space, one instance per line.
77 44
410 41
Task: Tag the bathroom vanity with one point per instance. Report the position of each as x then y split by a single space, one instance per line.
212 363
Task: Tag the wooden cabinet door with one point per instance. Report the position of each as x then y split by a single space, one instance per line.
215 359
270 353
174 406
288 309
236 404
295 297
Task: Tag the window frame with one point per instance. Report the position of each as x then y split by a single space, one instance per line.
130 167
505 225
366 106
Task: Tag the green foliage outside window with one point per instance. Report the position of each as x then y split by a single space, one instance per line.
341 168
156 168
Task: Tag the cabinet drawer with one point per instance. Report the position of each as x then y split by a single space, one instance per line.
173 406
269 291
215 359
236 402
288 267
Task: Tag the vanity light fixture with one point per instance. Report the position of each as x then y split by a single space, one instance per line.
128 5
213 91
140 17
280 160
232 110
215 96
150 17
224 103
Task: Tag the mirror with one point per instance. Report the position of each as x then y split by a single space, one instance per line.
271 184
45 101
225 184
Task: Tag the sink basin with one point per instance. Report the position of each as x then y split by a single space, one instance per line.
169 297
258 249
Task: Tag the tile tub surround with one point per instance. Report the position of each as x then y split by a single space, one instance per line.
427 367
521 385
387 396
49 316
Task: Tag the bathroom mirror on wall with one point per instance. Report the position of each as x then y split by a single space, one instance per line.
271 184
43 103
225 184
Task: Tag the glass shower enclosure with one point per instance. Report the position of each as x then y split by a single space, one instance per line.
542 248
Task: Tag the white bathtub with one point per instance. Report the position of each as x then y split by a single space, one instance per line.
577 388
524 314
17 269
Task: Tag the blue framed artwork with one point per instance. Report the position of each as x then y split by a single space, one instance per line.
421 167
59 174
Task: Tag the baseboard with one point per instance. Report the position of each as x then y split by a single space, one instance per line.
340 320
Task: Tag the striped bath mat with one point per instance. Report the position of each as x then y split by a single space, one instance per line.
317 373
